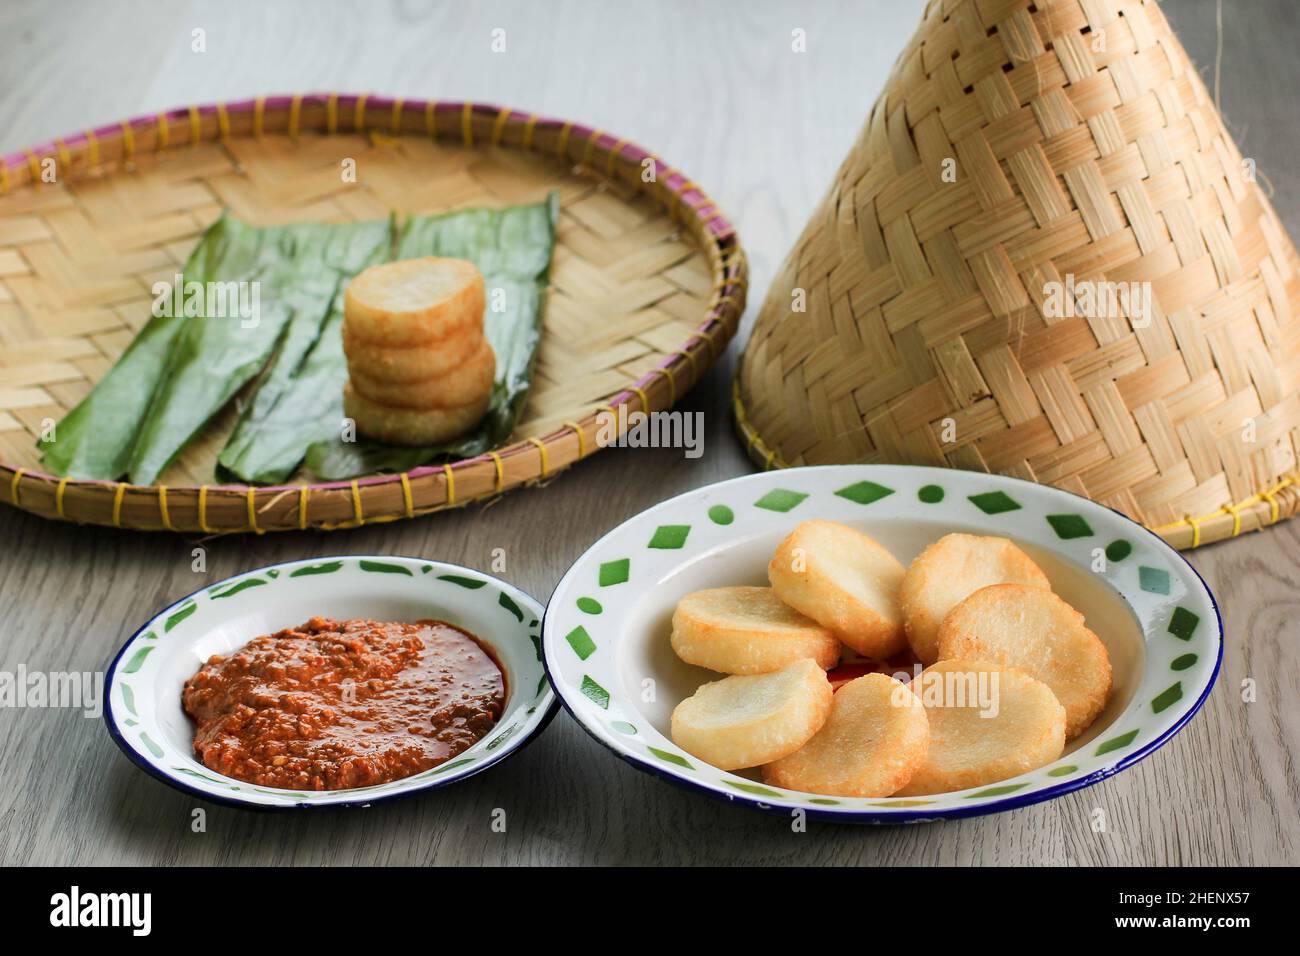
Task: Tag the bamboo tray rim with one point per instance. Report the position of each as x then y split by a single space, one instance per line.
349 113
1252 513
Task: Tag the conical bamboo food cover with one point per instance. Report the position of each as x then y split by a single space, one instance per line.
1044 257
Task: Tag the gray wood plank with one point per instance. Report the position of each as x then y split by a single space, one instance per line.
716 90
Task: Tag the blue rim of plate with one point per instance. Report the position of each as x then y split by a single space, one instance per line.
434 784
904 816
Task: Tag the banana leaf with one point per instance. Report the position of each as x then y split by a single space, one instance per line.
299 400
295 272
96 438
512 248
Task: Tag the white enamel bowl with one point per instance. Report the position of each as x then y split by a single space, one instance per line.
605 633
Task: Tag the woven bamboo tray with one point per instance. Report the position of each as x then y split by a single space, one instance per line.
1083 144
647 282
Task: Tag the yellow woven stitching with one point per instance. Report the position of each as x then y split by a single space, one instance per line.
65 157
13 486
431 118
203 510
128 141
357 515
467 123
332 114
591 146
196 126
755 441
406 495
499 126
529 126
252 511
34 167
117 504
395 122
1196 529
690 357
223 122
451 485
541 448
92 147
614 152
162 508
359 113
304 492
1266 495
164 132
562 148
1235 511
501 472
582 437
58 497
640 393
259 114
4 176
1272 503
667 372
295 115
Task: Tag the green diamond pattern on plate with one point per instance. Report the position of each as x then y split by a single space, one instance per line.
384 567
994 502
865 492
614 572
1182 623
669 537
1118 550
667 757
1069 526
137 659
756 789
594 692
1062 771
1154 580
582 645
1170 695
589 605
721 514
778 499
997 791
507 602
930 494
1115 743
179 616
1183 662
623 727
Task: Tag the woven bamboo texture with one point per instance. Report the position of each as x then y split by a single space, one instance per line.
1085 146
647 283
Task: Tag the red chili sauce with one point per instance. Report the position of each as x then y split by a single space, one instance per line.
332 705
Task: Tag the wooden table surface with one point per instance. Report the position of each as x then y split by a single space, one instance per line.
717 91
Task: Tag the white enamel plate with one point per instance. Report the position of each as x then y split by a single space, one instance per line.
144 714
605 634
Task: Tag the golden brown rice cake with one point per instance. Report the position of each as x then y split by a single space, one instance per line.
845 581
745 721
1034 630
747 630
949 570
871 744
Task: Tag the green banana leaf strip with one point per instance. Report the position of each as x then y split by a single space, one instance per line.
95 439
297 269
512 248
299 400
